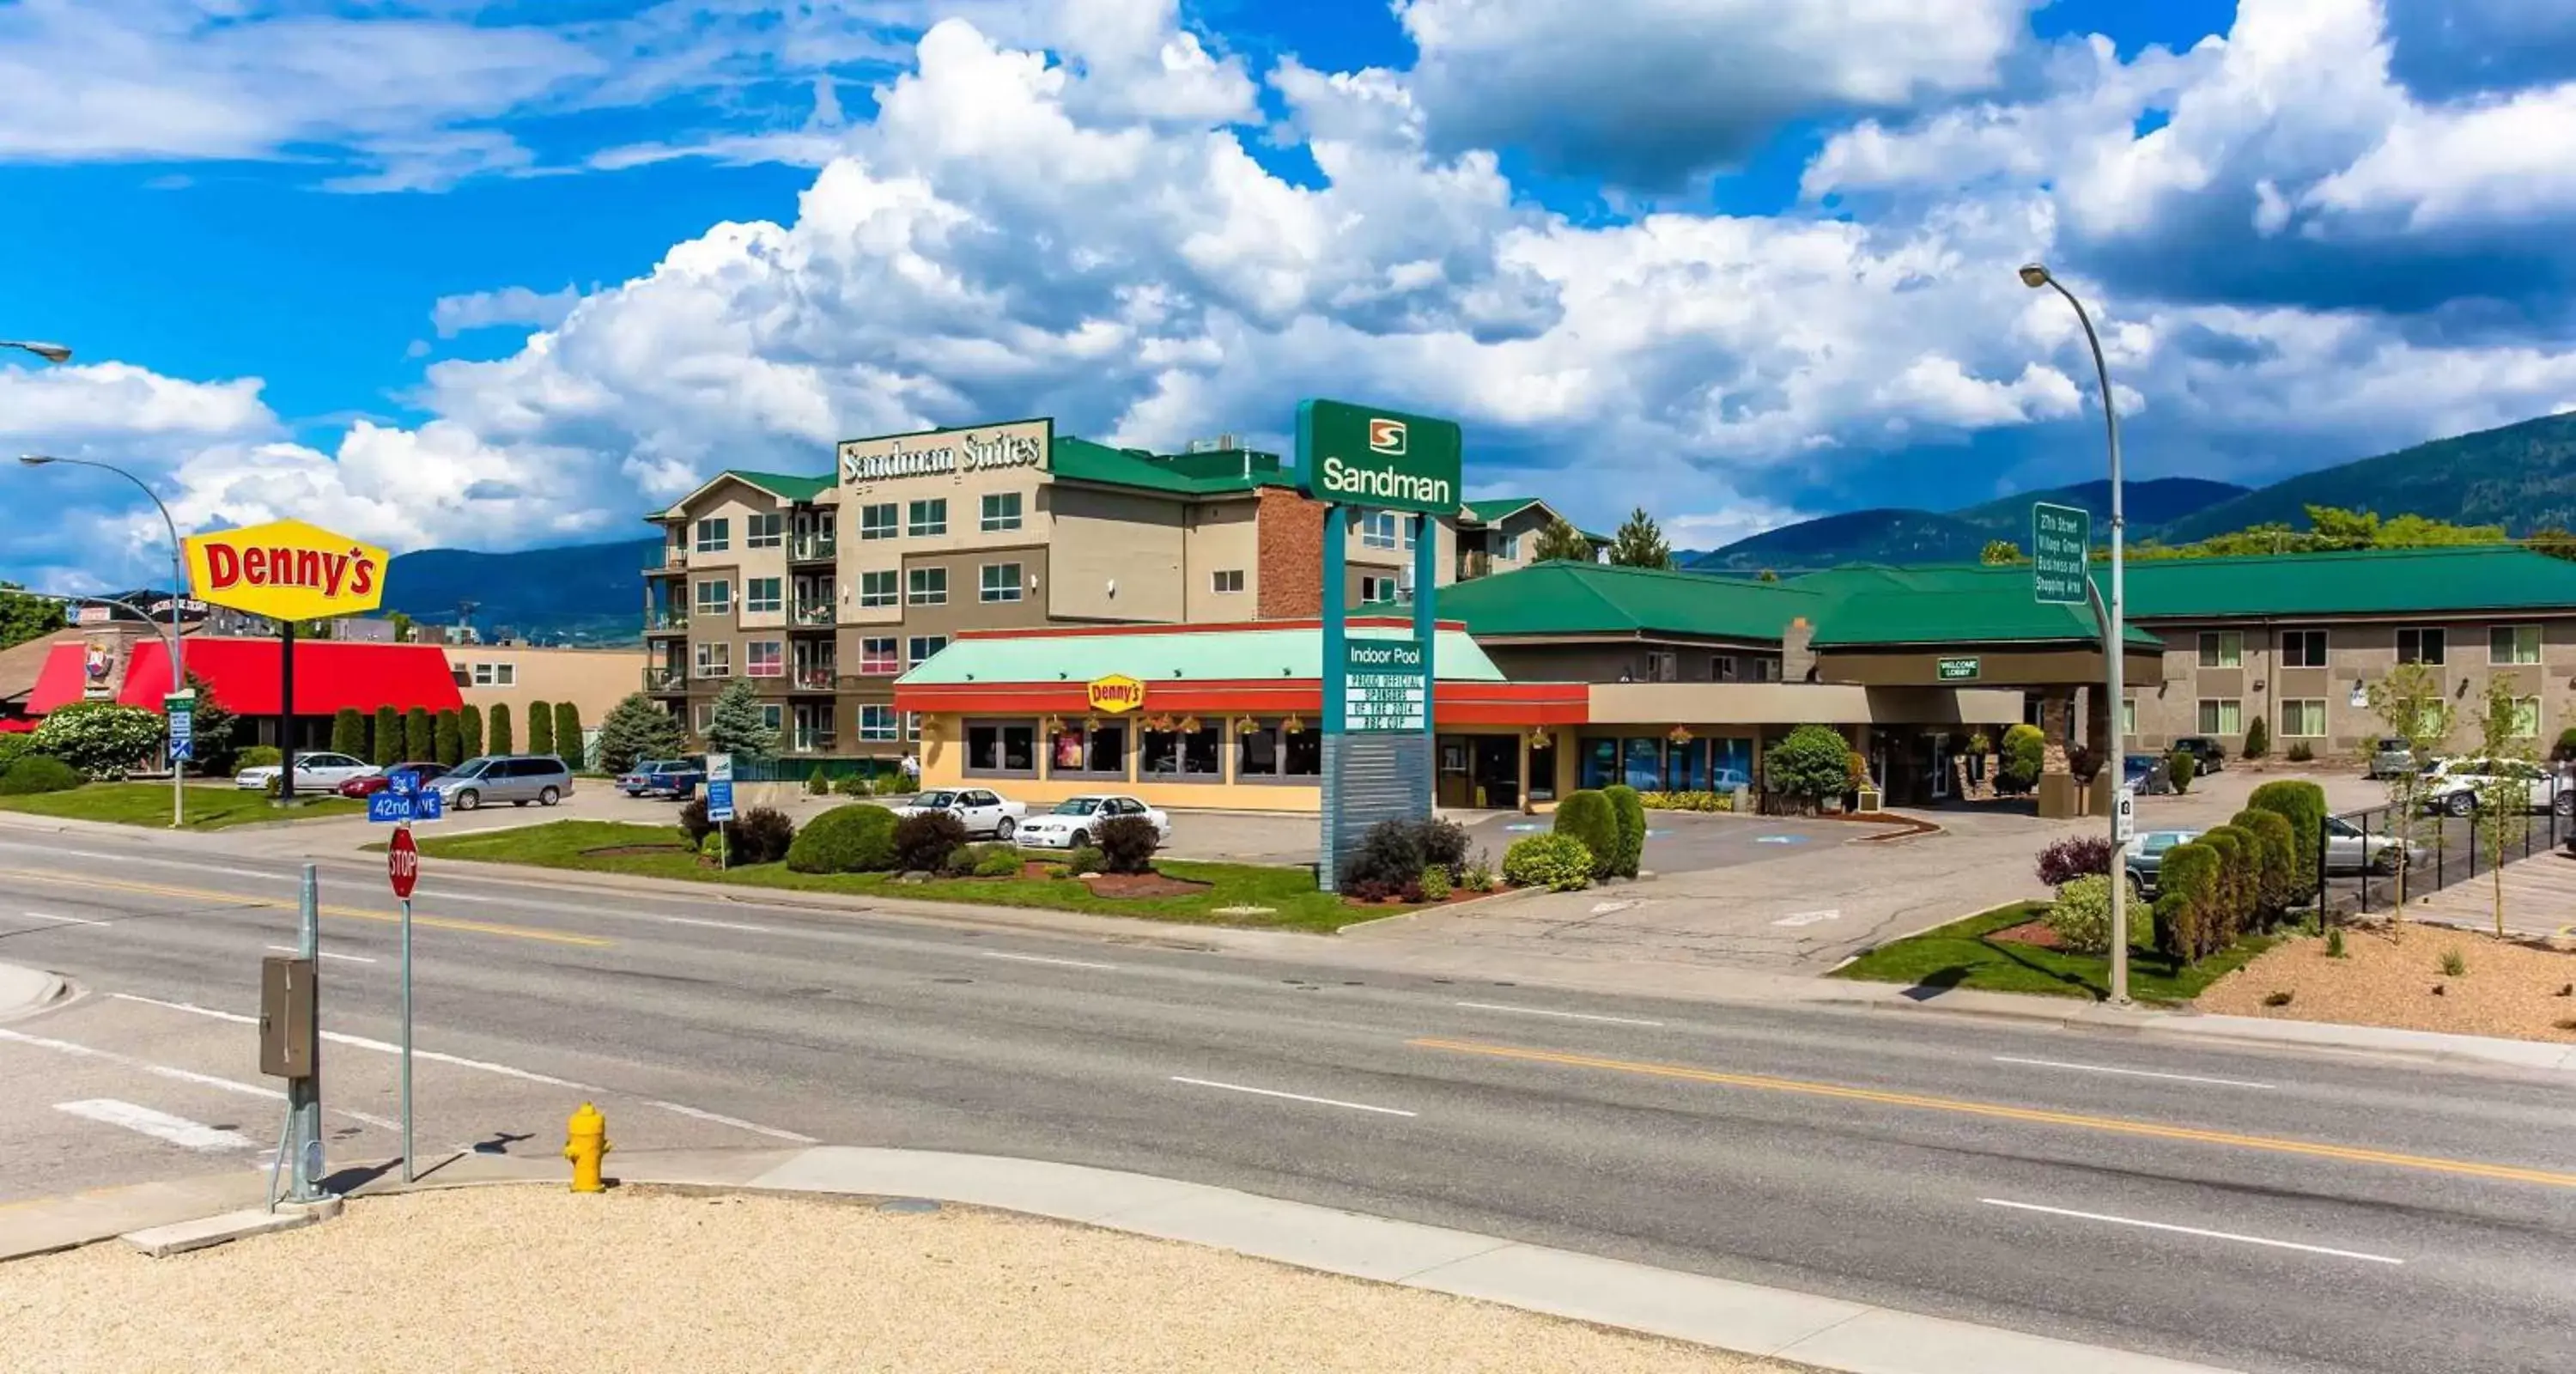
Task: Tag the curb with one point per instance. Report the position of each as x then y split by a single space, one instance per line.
27 991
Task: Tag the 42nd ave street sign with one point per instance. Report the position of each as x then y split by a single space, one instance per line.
2061 546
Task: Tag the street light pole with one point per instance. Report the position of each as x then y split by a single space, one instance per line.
178 591
2114 640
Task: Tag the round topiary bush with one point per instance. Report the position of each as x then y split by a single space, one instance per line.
2303 805
1558 862
1628 809
38 773
2025 755
2081 916
923 842
1127 844
1589 817
845 839
1811 764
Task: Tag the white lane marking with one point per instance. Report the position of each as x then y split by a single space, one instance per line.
178 1130
717 925
1560 1015
2132 1073
349 958
179 1075
1042 959
2191 1231
66 920
734 1121
1808 918
1293 1097
185 1006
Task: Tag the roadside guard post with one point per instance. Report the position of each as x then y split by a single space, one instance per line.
290 1047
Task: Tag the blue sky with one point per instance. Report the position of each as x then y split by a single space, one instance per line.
506 275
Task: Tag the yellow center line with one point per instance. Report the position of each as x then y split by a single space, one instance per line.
555 937
2115 1125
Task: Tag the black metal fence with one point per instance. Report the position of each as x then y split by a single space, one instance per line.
2361 871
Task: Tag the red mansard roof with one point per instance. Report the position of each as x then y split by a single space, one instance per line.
329 675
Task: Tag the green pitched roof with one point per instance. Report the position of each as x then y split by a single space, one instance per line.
1160 655
1869 605
1188 474
1563 598
782 485
2475 577
1502 507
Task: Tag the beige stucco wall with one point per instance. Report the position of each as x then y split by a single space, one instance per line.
962 486
1131 539
593 680
1359 555
1797 703
1220 536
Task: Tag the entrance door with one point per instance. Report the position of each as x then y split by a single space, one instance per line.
1940 767
1495 770
1453 785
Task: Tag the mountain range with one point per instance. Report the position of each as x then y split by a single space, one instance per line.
2521 476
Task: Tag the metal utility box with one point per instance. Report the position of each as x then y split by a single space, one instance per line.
287 1033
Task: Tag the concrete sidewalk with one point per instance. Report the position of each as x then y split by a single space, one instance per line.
1827 1333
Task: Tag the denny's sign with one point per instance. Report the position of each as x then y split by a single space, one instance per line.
286 570
1116 693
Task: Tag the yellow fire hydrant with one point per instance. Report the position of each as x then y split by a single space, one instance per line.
586 1144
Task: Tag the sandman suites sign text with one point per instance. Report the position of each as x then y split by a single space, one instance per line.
286 570
1356 455
945 452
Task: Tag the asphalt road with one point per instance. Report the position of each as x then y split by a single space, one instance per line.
2256 1210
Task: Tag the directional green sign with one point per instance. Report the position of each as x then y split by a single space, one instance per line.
1383 688
1356 455
2061 544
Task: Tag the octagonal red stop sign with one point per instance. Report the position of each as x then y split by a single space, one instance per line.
402 864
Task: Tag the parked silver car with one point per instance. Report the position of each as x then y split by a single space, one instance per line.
2348 850
2391 757
514 778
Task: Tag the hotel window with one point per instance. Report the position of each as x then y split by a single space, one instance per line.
2420 646
1377 591
1002 747
880 657
715 534
2508 644
772 715
1226 581
912 725
464 676
706 716
999 582
762 595
876 722
926 518
2128 717
2303 648
879 588
929 587
496 675
2222 649
1377 528
1186 755
764 658
1663 665
1508 548
1267 752
1721 668
2526 717
922 647
1766 670
2221 716
2303 718
715 597
878 521
1098 751
1001 511
764 531
715 660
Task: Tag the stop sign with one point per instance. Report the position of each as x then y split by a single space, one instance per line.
402 863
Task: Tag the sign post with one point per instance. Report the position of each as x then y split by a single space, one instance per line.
402 869
181 709
2061 573
720 802
1377 756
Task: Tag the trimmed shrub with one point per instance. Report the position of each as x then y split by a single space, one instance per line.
501 740
2183 766
855 785
2276 870
469 731
1127 845
1433 884
1444 845
997 861
2258 739
349 732
257 756
450 746
420 735
2075 857
2300 752
2303 805
386 739
2024 755
693 819
2240 880
845 839
100 738
38 773
1478 873
1630 814
923 842
1811 764
1387 862
1083 860
541 727
2081 916
568 734
1557 862
816 784
14 748
2187 881
1687 801
1588 816
761 835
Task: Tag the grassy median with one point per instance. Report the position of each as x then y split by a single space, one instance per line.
1959 955
148 803
658 851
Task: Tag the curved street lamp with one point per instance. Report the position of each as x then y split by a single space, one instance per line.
178 591
2114 636
50 352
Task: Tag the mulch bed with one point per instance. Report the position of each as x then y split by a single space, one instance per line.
1456 895
2034 933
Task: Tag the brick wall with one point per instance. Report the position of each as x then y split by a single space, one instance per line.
1290 577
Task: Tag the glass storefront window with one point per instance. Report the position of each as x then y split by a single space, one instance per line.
1001 747
1730 763
1175 754
1267 751
1100 749
1600 763
1642 763
1686 767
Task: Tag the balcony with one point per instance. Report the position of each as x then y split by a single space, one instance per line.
666 622
665 681
813 679
811 615
811 742
671 559
813 548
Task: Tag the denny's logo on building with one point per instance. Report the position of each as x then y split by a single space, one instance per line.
287 570
1116 693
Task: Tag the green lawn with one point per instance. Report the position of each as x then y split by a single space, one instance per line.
1289 892
1959 955
148 803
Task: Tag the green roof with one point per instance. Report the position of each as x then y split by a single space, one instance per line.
1502 507
2473 577
782 485
1868 605
1185 474
1565 598
1155 655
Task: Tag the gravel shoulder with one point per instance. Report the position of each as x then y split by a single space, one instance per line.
517 1278
2388 978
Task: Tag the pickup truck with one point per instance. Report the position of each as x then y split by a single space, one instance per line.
677 779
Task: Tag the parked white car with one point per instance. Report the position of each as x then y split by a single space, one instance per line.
2453 785
1076 821
323 772
981 810
2350 851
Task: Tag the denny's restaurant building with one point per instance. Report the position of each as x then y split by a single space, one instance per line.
1225 717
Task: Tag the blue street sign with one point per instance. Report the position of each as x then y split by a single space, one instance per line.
402 782
183 735
719 787
427 805
392 808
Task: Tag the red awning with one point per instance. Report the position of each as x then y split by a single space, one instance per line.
15 726
330 675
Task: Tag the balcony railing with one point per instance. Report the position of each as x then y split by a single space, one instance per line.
665 622
671 558
665 680
811 742
814 548
810 614
814 679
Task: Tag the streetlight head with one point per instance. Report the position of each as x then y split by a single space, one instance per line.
2034 275
50 352
35 460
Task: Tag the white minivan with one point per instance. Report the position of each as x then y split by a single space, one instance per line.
514 778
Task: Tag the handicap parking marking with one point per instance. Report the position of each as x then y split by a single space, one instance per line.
1780 839
1528 825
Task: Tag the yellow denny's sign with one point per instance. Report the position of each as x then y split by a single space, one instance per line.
1116 693
286 570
